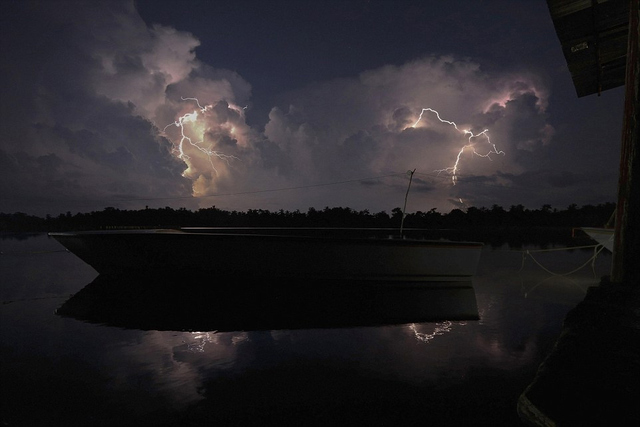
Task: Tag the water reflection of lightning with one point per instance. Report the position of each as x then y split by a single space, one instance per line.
440 328
453 170
192 118
200 340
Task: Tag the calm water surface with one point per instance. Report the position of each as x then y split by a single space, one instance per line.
58 370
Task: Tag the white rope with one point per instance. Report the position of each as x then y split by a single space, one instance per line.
34 252
562 249
526 293
11 301
596 251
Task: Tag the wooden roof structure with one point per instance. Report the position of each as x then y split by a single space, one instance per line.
593 35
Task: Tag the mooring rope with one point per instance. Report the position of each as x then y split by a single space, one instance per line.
526 293
33 252
11 301
596 251
563 249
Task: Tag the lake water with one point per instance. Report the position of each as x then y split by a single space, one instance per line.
58 370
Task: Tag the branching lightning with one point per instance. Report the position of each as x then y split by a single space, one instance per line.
453 170
193 118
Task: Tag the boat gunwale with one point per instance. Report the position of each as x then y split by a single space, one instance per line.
398 241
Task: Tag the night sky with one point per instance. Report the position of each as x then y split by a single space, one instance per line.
295 104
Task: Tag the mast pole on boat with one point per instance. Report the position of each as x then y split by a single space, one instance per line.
406 196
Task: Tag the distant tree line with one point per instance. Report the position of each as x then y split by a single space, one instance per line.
517 216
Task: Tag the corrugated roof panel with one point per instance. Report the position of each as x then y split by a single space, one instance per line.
593 35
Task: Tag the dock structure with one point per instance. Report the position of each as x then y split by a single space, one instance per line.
626 268
592 375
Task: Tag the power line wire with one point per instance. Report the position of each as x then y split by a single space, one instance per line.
236 193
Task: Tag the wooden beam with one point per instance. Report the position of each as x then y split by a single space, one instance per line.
626 249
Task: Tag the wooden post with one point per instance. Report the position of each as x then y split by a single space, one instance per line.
626 250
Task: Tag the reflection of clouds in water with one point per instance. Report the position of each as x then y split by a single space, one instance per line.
181 365
172 362
505 355
506 332
149 361
490 343
485 307
516 303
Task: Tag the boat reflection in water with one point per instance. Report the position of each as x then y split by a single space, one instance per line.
230 304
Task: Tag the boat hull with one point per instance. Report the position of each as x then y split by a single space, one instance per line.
274 255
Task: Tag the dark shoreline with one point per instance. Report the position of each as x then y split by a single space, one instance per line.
516 216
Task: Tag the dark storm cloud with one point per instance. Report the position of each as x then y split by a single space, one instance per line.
365 124
97 104
67 141
422 186
536 187
545 179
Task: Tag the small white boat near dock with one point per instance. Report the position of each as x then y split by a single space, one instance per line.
604 236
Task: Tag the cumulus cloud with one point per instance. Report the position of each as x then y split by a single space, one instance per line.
90 88
365 125
103 107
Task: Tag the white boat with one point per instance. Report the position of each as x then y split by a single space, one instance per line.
326 254
604 236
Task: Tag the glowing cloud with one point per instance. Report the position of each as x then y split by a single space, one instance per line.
197 128
375 124
453 170
106 117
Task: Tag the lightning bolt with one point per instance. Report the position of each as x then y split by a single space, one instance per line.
193 118
453 170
